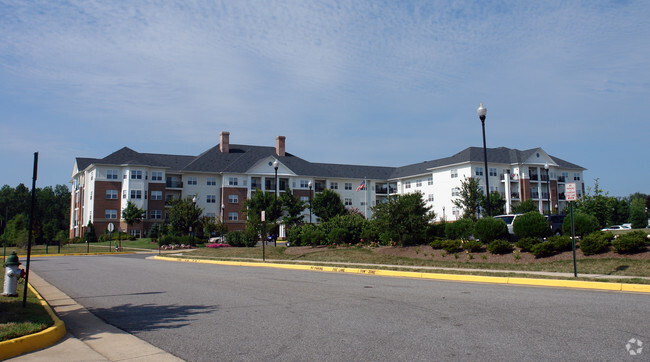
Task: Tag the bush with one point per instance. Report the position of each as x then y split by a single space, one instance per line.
489 228
472 246
596 242
451 246
583 223
632 242
561 243
239 238
294 236
499 247
543 249
369 232
313 237
459 229
436 230
338 235
527 243
437 243
531 224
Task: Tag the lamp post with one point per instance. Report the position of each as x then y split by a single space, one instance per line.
548 189
310 202
192 216
221 228
482 111
275 198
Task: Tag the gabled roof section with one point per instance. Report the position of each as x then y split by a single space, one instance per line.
83 162
127 156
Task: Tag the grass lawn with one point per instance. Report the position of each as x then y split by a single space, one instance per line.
16 321
102 247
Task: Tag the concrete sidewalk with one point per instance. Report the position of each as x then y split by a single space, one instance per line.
88 338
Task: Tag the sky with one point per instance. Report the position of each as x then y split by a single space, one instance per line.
386 83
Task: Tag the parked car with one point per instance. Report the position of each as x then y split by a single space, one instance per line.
616 227
509 220
555 221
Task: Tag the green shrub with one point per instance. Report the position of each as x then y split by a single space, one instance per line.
369 232
436 230
632 242
545 248
234 238
313 237
437 243
338 235
596 242
583 224
451 246
472 246
489 228
294 236
561 242
527 243
499 247
459 229
531 224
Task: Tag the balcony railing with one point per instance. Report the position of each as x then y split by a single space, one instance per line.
533 177
534 195
561 179
543 177
514 195
561 196
174 184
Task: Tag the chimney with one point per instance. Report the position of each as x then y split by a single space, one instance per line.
224 142
279 146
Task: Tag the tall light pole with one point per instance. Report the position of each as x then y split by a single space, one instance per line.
275 199
310 202
548 188
482 111
192 217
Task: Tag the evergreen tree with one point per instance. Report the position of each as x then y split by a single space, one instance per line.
470 197
327 204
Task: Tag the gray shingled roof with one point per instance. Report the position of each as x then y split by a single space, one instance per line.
242 157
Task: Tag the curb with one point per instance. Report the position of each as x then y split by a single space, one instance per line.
558 283
36 341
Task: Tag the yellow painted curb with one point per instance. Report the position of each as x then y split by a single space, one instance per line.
557 283
36 341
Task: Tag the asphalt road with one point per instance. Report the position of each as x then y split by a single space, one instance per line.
202 312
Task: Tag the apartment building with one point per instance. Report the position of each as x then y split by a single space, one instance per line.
223 177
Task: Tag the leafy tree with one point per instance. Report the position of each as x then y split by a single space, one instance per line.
258 202
132 214
16 230
637 214
404 218
90 235
183 215
470 197
597 204
292 207
497 203
621 211
523 207
327 204
154 232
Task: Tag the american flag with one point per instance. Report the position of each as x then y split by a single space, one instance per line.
362 186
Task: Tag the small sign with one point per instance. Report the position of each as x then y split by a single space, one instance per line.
263 216
111 227
570 192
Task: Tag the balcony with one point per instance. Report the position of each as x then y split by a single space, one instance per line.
561 196
543 177
384 190
533 177
561 179
514 195
545 195
534 195
173 184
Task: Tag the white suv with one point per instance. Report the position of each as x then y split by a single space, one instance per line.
509 219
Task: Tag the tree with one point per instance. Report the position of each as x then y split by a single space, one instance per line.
327 204
90 236
258 202
599 205
292 207
132 214
637 214
497 203
404 218
523 207
183 215
470 197
621 210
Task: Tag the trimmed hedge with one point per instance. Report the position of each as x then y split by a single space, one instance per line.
459 229
596 242
543 249
531 224
561 243
472 246
451 246
489 228
527 243
499 247
632 242
584 224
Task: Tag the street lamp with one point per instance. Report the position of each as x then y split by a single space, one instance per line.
275 198
192 217
548 188
482 111
310 202
221 228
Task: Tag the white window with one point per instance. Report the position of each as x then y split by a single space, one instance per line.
407 184
348 202
455 191
430 181
478 171
493 171
111 194
233 181
233 216
136 175
430 197
455 211
211 215
156 195
191 180
304 184
111 174
363 203
211 199
136 194
576 177
454 173
156 175
418 183
233 199
124 194
304 198
334 185
110 214
155 214
348 186
211 181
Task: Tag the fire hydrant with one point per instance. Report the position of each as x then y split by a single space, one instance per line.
12 274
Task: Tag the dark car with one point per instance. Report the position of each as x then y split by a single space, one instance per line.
555 221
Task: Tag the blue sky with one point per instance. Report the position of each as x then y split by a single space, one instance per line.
359 82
